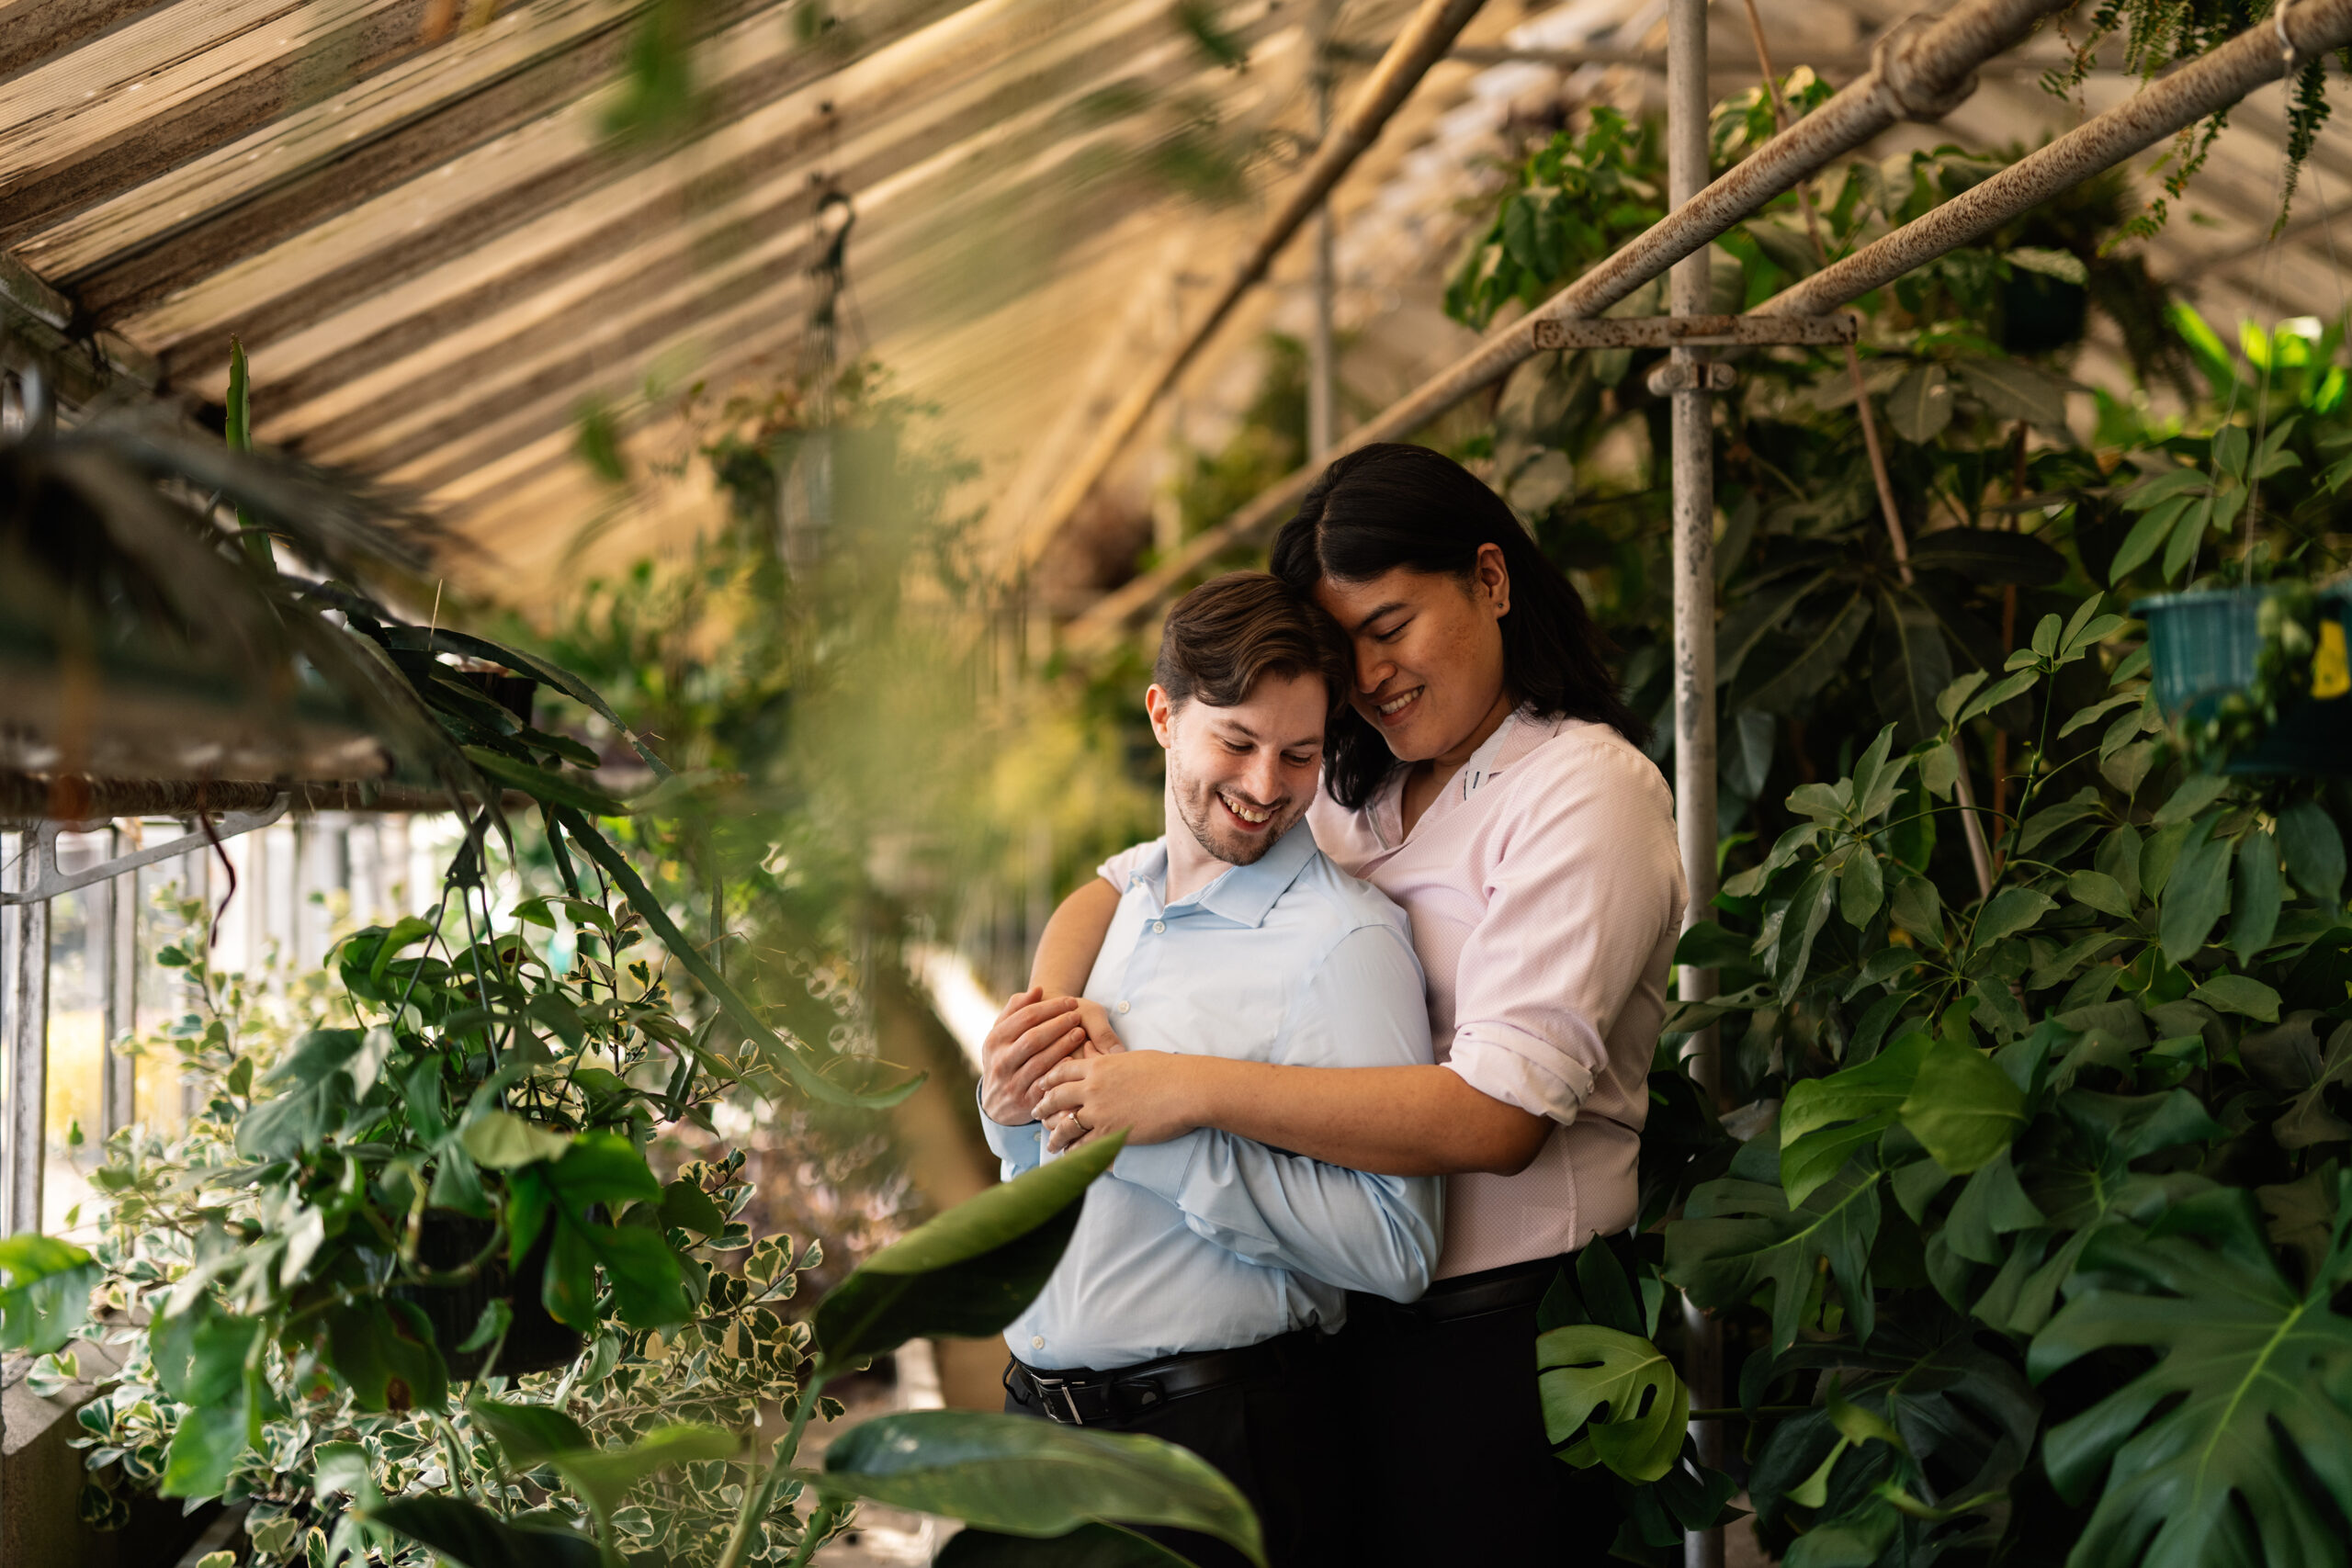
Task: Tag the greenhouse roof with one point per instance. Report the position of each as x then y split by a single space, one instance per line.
414 214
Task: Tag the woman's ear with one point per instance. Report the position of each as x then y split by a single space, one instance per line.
1492 574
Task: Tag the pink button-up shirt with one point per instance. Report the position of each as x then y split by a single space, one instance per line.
1545 891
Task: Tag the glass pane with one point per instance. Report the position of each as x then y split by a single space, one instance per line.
76 1067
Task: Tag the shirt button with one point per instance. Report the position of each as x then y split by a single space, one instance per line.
1160 925
1122 1007
1036 1341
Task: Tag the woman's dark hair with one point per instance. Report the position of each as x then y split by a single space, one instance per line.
1389 506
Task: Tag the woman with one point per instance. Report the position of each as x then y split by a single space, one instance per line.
1489 779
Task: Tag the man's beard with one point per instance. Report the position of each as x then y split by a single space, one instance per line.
1199 808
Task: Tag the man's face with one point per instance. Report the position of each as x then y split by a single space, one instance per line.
1241 777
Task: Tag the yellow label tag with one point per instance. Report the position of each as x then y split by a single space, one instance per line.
2331 674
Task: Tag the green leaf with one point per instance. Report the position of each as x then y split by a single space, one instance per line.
1624 1385
1951 700
1920 406
500 1140
2101 892
1963 1108
2008 913
1022 1476
2187 536
2314 851
2232 1445
971 1271
2239 994
1870 1092
2196 793
2195 891
689 1208
1088 1546
2146 537
205 1447
46 1297
1999 692
550 786
1737 1236
603 1476
1860 888
648 1287
2253 906
529 1435
1821 656
472 1537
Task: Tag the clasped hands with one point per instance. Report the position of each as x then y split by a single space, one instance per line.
1057 1060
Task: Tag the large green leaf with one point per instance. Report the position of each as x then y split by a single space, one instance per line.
1962 1107
1821 655
472 1537
1088 1546
1637 1407
971 1271
2234 1446
201 1354
1825 1119
2195 892
46 1297
1737 1236
1024 1476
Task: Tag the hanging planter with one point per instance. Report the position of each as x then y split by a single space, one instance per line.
535 1341
2256 677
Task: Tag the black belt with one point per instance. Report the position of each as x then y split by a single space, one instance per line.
1466 1295
1082 1397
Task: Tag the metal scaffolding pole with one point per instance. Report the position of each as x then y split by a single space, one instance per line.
2293 35
1322 345
24 974
1921 69
1689 375
1421 45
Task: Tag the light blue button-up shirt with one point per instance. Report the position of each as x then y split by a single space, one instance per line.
1212 1241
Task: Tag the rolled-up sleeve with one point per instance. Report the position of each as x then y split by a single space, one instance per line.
1587 875
1361 1007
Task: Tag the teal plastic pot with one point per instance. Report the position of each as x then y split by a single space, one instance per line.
2201 647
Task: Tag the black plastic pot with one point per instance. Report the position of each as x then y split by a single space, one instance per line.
534 1342
2202 647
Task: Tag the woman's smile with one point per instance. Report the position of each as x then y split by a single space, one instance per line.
1388 710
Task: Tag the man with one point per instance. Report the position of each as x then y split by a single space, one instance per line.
1205 1272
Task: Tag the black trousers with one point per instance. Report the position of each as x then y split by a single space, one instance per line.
1270 1435
1446 1457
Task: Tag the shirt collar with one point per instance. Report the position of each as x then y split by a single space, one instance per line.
1242 894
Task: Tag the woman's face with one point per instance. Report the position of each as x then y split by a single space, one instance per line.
1429 651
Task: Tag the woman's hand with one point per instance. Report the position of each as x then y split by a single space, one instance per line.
1150 1093
1032 1034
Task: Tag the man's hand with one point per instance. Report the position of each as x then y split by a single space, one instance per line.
1150 1093
1032 1034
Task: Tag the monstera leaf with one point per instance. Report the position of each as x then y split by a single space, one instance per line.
1741 1234
1585 1369
2222 1450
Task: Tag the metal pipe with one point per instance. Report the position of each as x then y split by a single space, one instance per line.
1421 45
1694 475
26 978
2262 53
1921 69
1322 342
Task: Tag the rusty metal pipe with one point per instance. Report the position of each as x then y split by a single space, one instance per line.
2263 53
1921 69
1421 45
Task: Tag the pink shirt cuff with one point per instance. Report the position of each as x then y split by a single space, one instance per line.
1519 1068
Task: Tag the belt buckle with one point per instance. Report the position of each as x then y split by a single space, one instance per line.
1050 1386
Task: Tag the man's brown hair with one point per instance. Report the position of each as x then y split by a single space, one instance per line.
1224 635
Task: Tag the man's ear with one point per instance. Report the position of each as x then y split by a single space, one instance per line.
1162 709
